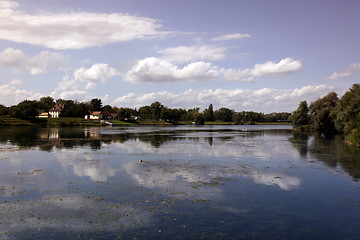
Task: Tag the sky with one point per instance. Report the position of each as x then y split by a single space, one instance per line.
246 55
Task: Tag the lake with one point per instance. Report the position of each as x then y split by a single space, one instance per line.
177 182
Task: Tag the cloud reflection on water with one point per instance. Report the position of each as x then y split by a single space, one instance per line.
85 164
175 175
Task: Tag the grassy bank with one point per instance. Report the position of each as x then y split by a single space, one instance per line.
9 121
53 122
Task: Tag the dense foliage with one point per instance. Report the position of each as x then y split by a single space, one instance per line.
154 112
331 114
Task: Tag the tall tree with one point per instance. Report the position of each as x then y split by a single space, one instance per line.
300 116
46 103
145 112
96 104
156 108
209 113
199 119
108 108
320 112
4 110
347 108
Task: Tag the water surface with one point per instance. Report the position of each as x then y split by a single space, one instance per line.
185 182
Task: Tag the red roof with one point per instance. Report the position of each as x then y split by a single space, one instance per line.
57 107
96 113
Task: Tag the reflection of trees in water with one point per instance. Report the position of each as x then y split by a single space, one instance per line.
329 149
300 142
48 138
22 137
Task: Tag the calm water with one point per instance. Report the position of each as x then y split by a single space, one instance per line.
212 182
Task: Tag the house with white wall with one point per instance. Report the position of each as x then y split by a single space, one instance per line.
56 110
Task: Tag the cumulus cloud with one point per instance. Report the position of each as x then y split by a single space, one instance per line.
12 95
231 36
96 73
40 63
69 88
73 30
158 70
183 54
16 81
261 100
284 66
345 72
8 4
75 94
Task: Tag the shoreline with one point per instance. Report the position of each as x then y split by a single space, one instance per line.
63 122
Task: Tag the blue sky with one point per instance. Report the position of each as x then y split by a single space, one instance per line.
253 55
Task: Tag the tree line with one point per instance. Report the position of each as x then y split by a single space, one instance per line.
155 112
331 114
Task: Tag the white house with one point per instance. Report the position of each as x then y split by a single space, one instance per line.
97 115
56 110
100 115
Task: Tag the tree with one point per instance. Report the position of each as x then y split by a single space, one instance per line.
156 108
125 113
108 108
4 110
95 104
46 103
347 108
199 118
145 112
209 113
320 112
300 116
190 114
74 109
224 114
171 115
25 109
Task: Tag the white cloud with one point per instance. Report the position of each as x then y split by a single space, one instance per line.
231 36
261 100
11 95
8 4
73 94
73 30
158 70
90 85
96 73
16 81
40 63
185 54
284 66
69 88
66 84
345 72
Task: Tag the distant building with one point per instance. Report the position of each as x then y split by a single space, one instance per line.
56 110
44 115
100 115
